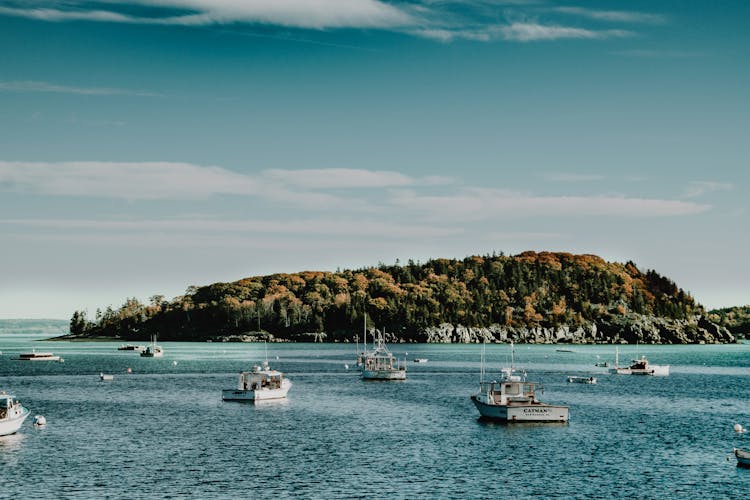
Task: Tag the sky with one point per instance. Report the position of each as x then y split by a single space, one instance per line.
150 145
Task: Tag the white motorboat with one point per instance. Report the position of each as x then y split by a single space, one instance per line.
512 399
12 414
152 350
420 360
106 376
260 384
37 356
639 367
582 380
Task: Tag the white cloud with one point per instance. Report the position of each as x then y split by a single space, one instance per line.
699 188
531 32
155 180
385 193
337 178
482 203
440 21
33 86
314 14
613 15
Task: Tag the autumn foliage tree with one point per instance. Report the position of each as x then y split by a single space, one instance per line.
529 289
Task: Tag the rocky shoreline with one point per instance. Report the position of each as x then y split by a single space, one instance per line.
626 329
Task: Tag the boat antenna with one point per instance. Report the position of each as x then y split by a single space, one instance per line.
512 357
364 342
481 369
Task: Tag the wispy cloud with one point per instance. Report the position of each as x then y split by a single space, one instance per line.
339 178
356 190
613 15
571 177
661 54
442 21
314 14
34 86
345 227
155 180
483 203
699 188
533 32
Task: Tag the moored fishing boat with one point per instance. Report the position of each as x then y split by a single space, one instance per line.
512 399
639 367
582 380
12 414
259 384
37 356
380 363
131 347
152 350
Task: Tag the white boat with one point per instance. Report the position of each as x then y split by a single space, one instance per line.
512 399
420 360
37 356
105 376
380 363
639 367
743 457
582 380
260 384
152 350
12 414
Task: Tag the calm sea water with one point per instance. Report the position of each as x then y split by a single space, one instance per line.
163 431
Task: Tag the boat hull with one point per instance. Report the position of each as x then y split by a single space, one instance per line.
383 374
39 358
11 426
743 458
256 395
582 380
534 412
653 370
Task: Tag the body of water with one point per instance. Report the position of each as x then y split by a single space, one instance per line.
162 431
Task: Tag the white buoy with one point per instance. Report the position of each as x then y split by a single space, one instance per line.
174 363
346 367
129 370
738 428
277 358
39 420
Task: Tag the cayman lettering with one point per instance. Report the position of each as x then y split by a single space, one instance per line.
535 410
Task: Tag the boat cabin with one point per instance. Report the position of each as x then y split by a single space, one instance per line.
260 378
7 402
506 392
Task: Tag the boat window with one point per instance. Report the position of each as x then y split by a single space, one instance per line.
512 389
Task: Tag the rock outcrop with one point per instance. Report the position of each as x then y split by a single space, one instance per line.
629 329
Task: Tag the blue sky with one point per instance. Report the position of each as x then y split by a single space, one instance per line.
146 146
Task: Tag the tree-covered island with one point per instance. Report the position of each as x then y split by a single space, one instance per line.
532 297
